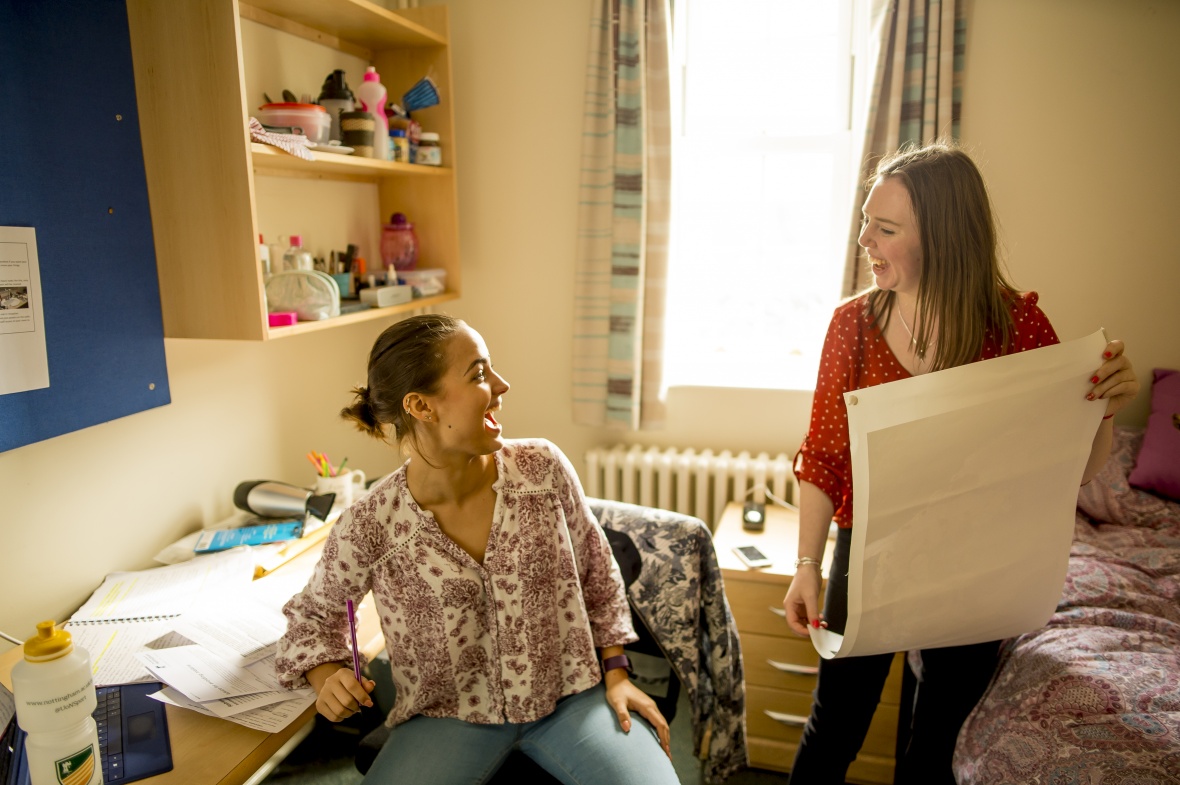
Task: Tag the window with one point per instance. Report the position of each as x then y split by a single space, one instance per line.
763 181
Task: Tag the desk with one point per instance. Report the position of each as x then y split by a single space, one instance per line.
213 751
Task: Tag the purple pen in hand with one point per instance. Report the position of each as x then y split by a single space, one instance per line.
356 657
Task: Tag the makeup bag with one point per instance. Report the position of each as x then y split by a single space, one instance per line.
309 293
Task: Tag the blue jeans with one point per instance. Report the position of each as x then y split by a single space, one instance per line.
580 743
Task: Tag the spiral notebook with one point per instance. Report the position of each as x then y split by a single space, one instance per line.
165 592
131 611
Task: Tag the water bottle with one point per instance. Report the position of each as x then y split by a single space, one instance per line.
54 694
336 98
399 244
296 258
373 96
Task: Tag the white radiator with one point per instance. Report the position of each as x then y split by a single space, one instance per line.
686 481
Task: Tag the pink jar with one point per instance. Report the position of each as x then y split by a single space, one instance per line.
399 244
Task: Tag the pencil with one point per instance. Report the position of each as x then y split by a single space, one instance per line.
356 656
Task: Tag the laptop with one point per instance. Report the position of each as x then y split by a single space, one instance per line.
132 736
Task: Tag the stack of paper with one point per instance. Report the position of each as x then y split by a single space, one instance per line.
204 628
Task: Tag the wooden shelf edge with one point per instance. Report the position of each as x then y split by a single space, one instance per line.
362 316
270 160
356 21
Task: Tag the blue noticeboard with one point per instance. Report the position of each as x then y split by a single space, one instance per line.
71 167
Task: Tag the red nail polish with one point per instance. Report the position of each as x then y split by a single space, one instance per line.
815 623
1093 380
1107 355
1090 396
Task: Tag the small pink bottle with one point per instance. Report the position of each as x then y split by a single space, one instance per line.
399 244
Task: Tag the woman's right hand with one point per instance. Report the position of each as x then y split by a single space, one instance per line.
802 600
339 694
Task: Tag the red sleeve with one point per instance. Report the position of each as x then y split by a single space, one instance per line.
1032 327
824 459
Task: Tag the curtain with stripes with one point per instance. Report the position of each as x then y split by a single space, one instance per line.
623 218
916 93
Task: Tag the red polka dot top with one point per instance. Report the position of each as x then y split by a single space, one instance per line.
856 356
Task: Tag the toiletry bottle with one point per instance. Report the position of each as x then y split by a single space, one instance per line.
297 257
399 245
372 95
264 256
336 98
54 694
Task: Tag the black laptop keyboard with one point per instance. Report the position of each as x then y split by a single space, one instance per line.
108 717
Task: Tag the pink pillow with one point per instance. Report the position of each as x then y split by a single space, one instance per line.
1157 468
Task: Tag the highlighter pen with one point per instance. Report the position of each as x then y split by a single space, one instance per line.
356 657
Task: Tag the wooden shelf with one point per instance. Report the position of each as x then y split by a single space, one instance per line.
273 161
204 203
362 316
357 21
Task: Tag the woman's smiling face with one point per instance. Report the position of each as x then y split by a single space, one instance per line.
470 393
890 237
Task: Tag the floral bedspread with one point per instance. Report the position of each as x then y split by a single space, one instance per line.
1093 698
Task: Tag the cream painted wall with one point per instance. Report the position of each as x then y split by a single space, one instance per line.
1070 105
1083 204
1071 108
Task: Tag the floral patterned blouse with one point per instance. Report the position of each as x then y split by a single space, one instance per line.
855 356
486 643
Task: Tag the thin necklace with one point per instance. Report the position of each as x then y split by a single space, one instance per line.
913 340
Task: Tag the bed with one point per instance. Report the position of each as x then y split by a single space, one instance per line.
1093 698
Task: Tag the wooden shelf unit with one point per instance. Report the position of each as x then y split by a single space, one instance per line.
201 163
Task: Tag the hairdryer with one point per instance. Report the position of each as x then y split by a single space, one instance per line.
272 499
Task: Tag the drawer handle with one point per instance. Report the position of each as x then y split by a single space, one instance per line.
790 720
780 611
787 667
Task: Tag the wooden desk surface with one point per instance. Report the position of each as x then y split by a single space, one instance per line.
213 751
779 540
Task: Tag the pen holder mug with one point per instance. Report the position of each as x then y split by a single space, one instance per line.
348 486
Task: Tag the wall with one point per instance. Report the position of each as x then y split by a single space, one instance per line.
1070 106
1082 209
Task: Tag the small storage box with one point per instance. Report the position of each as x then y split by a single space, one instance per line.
425 282
311 120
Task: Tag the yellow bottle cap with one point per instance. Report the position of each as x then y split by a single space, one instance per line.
48 644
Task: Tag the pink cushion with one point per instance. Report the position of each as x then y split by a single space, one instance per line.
1157 468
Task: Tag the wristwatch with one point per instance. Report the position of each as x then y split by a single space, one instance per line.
617 661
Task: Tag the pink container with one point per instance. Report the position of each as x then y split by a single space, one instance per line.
399 244
311 120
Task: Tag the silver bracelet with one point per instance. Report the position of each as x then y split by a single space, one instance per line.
806 560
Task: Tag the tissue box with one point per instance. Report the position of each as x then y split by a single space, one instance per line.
382 296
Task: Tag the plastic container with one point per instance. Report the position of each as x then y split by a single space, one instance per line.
54 694
425 282
373 97
399 146
399 244
263 256
310 120
428 152
296 257
335 97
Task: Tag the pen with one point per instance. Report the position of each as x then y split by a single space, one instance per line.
356 657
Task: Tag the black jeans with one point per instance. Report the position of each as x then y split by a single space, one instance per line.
847 692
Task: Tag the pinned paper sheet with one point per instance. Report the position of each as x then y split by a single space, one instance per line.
966 482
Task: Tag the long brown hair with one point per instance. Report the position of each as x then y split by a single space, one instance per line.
409 356
962 288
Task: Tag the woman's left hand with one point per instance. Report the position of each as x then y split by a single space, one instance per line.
1115 380
623 696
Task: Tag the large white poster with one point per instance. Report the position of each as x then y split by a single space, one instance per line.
24 364
966 482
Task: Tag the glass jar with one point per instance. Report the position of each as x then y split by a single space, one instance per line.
399 244
428 151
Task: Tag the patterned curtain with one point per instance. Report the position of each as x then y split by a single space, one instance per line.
623 218
916 93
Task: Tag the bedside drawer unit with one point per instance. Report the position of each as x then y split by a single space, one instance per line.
780 715
780 667
758 607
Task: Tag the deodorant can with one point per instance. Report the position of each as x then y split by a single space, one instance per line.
54 692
